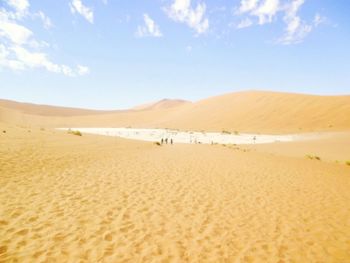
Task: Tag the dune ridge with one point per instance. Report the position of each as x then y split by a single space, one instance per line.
250 111
162 104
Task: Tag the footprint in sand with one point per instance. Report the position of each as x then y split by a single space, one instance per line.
22 232
3 249
108 237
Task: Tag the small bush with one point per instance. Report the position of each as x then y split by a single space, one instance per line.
157 143
225 132
4 131
313 157
347 163
78 133
236 132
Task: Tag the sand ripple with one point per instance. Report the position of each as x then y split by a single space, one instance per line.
89 199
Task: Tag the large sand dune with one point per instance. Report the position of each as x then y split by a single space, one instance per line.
66 198
264 112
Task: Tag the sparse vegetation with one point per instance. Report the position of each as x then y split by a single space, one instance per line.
225 132
78 133
157 143
347 163
236 132
4 131
313 157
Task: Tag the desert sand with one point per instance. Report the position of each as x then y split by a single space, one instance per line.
96 198
90 198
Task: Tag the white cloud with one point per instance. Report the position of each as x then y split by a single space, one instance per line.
105 2
14 32
245 23
77 6
82 70
149 29
7 62
266 11
296 29
181 11
45 19
23 59
248 5
20 50
20 6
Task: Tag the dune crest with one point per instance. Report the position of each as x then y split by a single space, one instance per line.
162 104
252 111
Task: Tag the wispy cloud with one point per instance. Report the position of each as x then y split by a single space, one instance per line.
19 49
296 29
181 11
82 70
320 20
150 28
45 19
266 11
77 6
247 22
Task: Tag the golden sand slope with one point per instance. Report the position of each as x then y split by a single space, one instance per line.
89 199
47 110
162 104
263 112
331 147
266 112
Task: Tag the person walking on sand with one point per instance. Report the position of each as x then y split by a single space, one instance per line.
161 141
171 141
166 140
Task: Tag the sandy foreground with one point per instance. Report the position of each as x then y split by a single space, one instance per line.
66 198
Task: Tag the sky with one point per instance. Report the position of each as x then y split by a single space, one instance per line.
115 54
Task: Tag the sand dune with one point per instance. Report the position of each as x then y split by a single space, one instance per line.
47 110
252 112
66 198
162 104
267 112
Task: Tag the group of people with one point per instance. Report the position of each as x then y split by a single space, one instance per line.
166 141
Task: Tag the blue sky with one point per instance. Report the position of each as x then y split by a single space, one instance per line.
113 54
